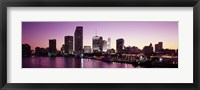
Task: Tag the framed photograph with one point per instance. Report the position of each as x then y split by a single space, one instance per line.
131 44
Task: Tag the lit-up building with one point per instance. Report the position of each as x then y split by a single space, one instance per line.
68 44
158 47
109 43
120 45
97 44
87 49
104 45
78 40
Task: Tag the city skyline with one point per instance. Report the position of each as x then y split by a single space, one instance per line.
138 34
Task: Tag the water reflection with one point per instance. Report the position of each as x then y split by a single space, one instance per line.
69 62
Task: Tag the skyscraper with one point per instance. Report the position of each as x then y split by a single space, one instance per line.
105 45
97 44
68 44
52 47
158 47
120 45
78 40
109 43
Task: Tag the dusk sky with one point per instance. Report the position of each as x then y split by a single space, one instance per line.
134 33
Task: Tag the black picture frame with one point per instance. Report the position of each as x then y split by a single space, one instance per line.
98 3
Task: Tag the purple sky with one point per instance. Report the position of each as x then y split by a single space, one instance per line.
135 33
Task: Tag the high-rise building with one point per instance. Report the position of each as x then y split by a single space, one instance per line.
68 44
97 44
87 49
26 50
120 45
158 47
148 49
52 47
105 45
78 38
109 43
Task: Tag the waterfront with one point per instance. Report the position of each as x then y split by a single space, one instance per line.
70 62
128 47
